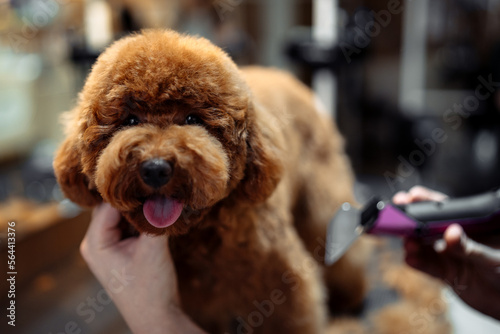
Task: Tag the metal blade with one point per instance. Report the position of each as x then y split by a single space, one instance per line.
343 230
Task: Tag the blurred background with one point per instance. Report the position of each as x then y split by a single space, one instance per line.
411 84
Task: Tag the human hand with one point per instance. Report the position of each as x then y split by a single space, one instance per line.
470 268
137 273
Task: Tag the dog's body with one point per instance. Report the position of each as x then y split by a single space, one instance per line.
251 184
251 260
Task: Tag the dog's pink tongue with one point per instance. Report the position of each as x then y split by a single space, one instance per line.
161 211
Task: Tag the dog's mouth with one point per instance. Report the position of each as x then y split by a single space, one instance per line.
162 211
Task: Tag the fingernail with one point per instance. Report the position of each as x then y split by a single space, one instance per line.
439 245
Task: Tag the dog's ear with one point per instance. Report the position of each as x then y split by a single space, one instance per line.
68 170
264 167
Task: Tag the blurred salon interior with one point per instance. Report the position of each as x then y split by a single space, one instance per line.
412 85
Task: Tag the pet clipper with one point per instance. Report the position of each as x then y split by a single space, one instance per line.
479 214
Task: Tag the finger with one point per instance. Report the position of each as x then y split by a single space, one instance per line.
153 242
103 230
458 244
155 251
419 193
455 240
401 197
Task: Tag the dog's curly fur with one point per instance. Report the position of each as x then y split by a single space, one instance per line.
258 178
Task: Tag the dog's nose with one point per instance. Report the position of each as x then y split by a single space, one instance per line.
156 172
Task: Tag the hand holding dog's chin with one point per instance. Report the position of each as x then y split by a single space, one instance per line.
137 273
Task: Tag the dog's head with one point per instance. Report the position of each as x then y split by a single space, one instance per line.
164 129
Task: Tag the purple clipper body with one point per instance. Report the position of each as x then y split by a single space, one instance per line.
393 221
477 214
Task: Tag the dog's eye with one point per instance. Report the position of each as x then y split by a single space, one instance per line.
131 121
193 120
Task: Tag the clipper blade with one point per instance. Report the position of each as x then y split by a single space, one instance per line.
342 231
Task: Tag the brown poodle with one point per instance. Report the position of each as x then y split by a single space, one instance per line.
235 165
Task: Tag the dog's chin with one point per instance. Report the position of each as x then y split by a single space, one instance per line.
164 216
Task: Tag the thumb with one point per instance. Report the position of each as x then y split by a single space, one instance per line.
154 246
457 244
103 230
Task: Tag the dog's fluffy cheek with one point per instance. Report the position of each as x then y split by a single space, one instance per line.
207 167
73 182
115 178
